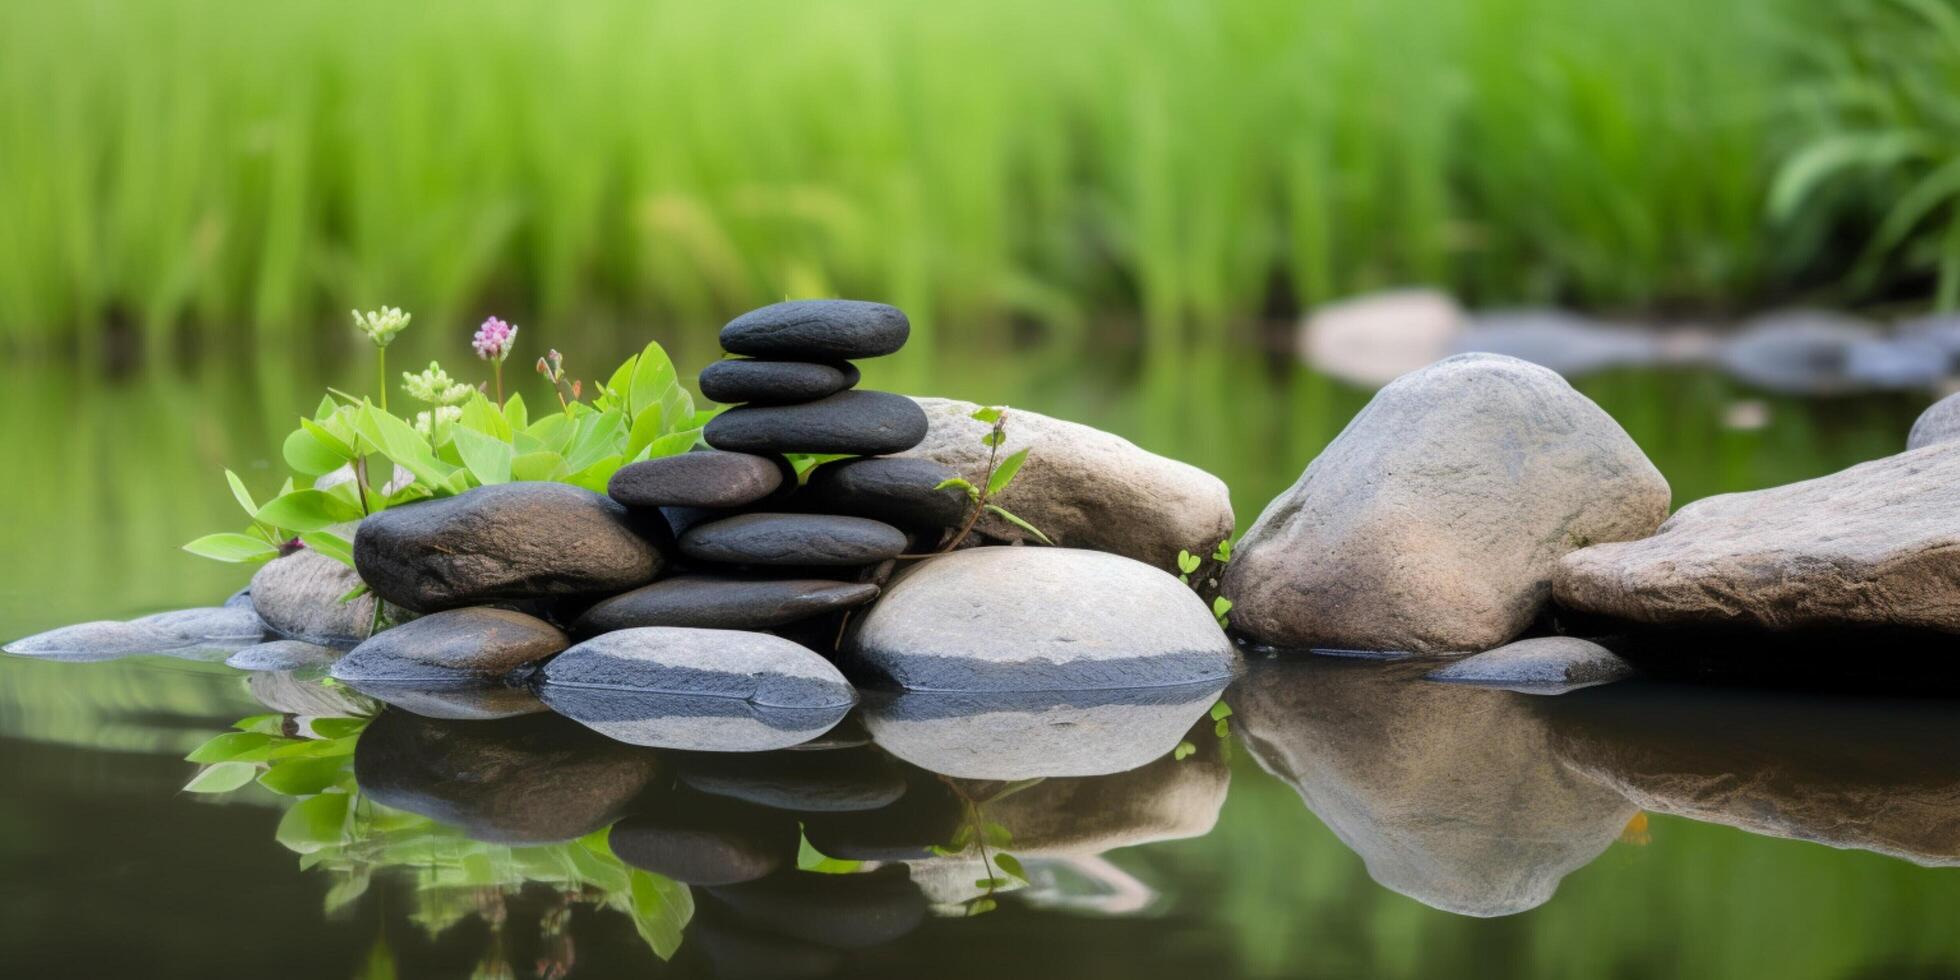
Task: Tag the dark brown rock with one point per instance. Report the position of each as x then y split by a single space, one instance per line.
855 423
794 539
774 382
699 839
897 490
817 330
723 602
698 479
453 646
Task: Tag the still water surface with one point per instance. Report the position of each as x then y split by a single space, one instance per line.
1355 821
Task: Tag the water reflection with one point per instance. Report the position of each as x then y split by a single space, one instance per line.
1449 794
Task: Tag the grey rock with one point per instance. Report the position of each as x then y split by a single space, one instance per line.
1565 342
855 422
690 722
699 479
307 695
506 542
894 489
817 330
1870 545
842 781
1374 339
455 646
1039 619
454 702
1039 734
794 540
1938 423
1872 774
854 911
723 602
1897 363
1432 523
1449 794
1541 665
528 780
698 839
299 596
193 634
774 382
1802 352
1083 487
752 668
283 655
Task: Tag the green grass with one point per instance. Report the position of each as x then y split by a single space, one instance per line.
1175 169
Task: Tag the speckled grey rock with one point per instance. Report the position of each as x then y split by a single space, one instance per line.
895 489
754 668
1036 735
1449 794
1433 522
793 539
774 382
455 646
283 655
503 542
1039 619
1875 774
817 330
1873 545
697 839
698 479
1938 423
299 596
845 780
723 602
855 422
528 780
195 634
1541 665
1083 487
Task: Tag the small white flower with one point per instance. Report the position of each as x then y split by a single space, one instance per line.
435 387
428 423
382 325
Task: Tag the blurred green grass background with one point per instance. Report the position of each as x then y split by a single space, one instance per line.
1155 175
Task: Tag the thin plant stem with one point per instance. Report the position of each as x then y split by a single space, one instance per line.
381 374
497 372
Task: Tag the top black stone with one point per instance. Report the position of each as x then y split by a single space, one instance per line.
818 330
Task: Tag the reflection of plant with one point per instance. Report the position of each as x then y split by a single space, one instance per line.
334 828
1000 473
1219 727
353 457
976 833
1202 576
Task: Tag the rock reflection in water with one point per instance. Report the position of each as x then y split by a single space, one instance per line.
1449 794
1872 774
693 723
530 779
1025 735
455 702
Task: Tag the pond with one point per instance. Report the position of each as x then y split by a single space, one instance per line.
1346 818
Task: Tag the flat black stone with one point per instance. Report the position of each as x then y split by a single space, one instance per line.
794 539
698 839
723 602
857 423
843 781
898 490
700 479
456 645
817 330
774 382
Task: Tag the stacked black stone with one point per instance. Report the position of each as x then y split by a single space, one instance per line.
766 552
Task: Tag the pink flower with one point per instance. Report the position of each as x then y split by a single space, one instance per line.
494 340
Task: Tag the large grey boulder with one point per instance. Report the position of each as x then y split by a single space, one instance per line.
1039 619
1449 794
1083 487
509 541
1871 774
1432 523
1871 545
299 597
1938 423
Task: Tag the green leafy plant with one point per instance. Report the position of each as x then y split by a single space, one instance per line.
1202 575
353 457
1000 473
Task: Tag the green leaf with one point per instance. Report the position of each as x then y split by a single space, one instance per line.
221 778
808 858
554 431
1023 525
660 909
330 544
957 481
1220 606
646 428
306 454
487 457
653 381
1223 553
598 475
234 747
599 436
673 443
1183 751
304 777
240 494
537 466
1222 729
397 440
337 728
980 906
233 547
1221 711
991 883
1004 473
1011 864
1188 562
1824 159
307 510
312 824
351 594
989 415
996 835
516 413
480 415
268 724
992 438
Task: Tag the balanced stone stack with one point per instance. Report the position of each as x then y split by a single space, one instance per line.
761 552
